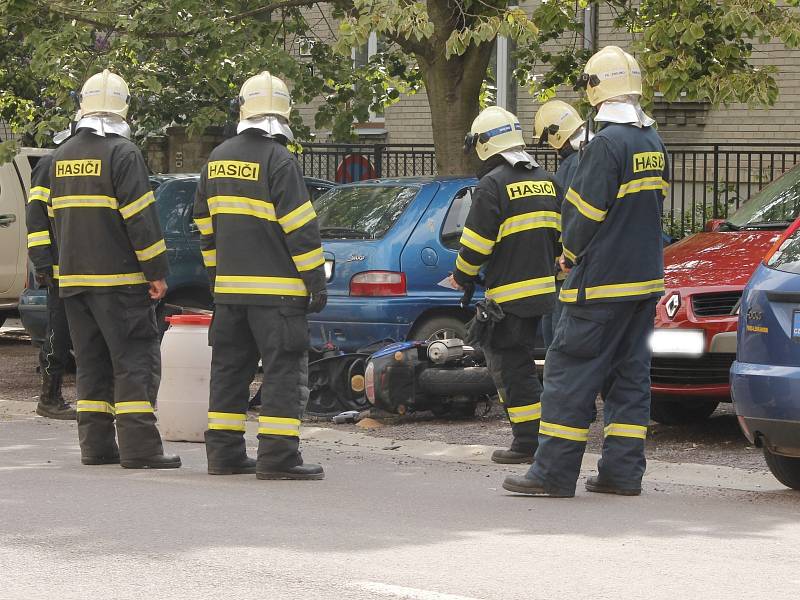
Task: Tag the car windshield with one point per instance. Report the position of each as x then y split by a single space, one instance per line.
362 212
787 257
777 204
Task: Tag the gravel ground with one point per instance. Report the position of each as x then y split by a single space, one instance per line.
715 441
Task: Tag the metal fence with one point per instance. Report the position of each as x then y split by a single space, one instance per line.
707 180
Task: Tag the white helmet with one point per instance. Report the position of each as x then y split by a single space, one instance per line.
555 122
493 131
105 93
264 94
610 72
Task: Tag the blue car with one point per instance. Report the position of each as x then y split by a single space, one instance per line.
765 378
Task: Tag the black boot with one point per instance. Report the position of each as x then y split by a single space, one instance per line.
298 472
157 461
512 457
51 403
247 466
100 460
594 484
534 487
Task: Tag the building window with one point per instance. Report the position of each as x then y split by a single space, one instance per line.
362 56
503 64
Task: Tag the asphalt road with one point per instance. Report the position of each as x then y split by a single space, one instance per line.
411 520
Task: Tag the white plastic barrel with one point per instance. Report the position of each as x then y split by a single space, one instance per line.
185 375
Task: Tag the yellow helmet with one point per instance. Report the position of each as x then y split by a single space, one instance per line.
264 94
609 73
107 93
555 122
493 131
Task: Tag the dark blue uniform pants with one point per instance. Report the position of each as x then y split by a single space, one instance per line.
596 347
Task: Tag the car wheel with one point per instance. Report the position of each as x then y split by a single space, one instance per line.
681 412
786 469
439 328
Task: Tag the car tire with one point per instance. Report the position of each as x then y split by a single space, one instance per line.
439 328
786 469
467 381
681 412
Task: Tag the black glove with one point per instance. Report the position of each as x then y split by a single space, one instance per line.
317 301
44 278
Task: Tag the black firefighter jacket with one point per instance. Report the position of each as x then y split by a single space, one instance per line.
260 236
42 249
106 225
513 227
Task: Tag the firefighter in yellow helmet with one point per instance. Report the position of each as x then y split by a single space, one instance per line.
612 250
511 233
112 266
262 248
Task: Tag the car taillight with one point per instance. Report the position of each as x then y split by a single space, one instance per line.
378 283
777 245
369 383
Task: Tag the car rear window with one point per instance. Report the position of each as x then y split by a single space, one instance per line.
787 258
362 212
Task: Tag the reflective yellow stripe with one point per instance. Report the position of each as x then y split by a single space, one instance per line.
568 254
50 212
297 218
55 271
209 258
309 260
640 185
227 421
85 201
39 193
137 205
240 205
95 406
137 407
619 290
151 252
528 221
574 434
626 430
278 426
38 238
274 286
466 267
568 295
205 225
101 280
586 209
522 289
476 242
523 414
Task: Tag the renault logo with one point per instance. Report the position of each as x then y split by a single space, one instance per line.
672 305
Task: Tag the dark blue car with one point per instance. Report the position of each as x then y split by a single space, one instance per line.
765 378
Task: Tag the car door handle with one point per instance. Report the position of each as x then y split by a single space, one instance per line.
790 297
6 220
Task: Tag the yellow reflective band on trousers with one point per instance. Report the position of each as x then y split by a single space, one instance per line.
275 286
38 238
209 258
151 252
569 254
522 289
279 426
137 205
528 221
586 209
133 407
466 267
109 280
239 205
205 225
564 432
640 185
297 218
475 241
85 201
223 421
98 406
55 271
621 290
40 193
626 430
309 260
523 414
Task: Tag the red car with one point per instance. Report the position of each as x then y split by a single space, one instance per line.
694 343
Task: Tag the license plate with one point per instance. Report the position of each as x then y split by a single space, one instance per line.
796 326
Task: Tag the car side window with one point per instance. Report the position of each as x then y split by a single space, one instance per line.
455 219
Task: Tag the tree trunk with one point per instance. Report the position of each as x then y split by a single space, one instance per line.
453 87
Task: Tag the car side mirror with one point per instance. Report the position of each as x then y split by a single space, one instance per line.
713 224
